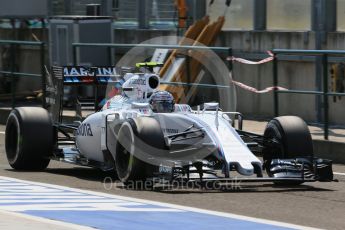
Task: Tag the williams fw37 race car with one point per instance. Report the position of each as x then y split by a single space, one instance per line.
142 135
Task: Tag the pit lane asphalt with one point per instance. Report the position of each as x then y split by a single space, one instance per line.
320 205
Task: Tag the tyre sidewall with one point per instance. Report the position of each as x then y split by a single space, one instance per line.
13 153
293 137
125 140
35 138
138 138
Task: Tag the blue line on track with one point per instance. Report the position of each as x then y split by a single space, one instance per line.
151 220
115 213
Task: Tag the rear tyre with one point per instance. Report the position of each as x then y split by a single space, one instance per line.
137 137
29 138
293 140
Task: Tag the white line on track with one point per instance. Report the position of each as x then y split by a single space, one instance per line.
46 221
183 208
2 132
338 173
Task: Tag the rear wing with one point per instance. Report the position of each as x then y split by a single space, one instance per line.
77 76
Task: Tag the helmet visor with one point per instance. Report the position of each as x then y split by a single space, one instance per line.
162 107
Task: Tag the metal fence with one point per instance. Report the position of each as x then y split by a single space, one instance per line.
14 74
325 93
278 53
113 46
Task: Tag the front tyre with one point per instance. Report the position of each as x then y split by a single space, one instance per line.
291 138
29 138
137 138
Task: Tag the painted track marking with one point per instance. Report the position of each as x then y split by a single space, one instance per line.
45 220
338 173
122 212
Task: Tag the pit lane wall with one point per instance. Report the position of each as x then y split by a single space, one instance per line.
295 73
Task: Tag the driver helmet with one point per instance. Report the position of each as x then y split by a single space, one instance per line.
162 102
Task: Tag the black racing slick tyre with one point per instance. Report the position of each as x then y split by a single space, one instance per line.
29 138
292 140
137 139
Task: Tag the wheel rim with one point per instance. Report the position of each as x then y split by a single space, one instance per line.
123 161
273 134
124 157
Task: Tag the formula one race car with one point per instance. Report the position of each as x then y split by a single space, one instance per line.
143 135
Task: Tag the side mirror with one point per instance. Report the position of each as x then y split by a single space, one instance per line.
211 106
